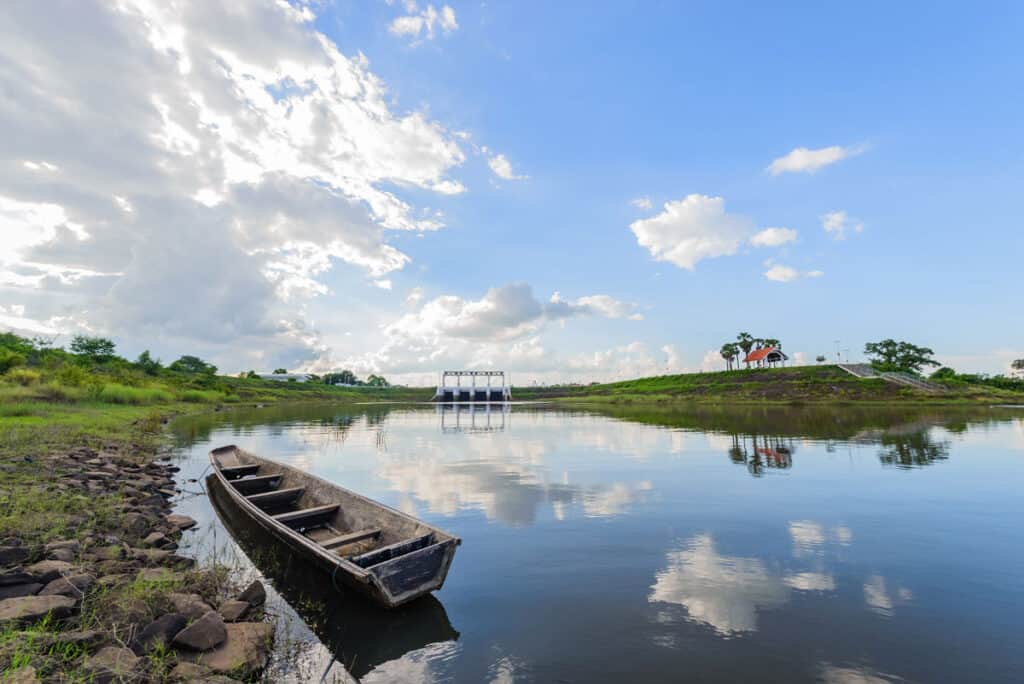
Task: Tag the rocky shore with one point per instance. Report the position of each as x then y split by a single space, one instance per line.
91 586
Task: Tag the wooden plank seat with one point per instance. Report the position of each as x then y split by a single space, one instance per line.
350 538
277 497
307 517
254 485
386 553
239 471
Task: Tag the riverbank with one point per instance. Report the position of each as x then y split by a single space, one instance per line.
801 384
91 588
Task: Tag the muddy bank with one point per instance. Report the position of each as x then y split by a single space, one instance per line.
91 586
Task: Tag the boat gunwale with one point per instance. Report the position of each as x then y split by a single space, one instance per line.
359 573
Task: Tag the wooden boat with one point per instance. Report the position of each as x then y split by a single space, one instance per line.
386 554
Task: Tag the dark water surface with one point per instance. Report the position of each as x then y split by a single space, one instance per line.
782 544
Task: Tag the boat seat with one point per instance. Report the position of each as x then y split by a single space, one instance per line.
350 538
386 553
232 472
307 517
254 485
277 496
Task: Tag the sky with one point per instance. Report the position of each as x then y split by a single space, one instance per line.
566 191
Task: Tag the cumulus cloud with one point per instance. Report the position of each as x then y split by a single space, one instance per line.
773 237
804 160
787 274
502 167
692 229
421 24
236 158
837 223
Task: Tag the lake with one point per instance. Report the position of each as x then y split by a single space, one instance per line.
842 544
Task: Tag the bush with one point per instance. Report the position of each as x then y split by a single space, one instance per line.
22 376
54 391
122 394
73 376
10 359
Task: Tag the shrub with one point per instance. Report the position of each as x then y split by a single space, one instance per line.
122 394
55 391
9 359
73 376
22 376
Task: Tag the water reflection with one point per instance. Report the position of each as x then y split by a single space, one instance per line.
764 451
359 635
473 417
912 450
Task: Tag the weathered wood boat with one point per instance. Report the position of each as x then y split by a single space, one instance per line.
386 554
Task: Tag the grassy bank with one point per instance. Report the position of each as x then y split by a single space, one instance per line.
810 384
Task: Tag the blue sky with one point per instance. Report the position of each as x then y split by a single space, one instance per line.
910 115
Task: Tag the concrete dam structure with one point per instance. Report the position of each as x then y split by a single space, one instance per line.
473 391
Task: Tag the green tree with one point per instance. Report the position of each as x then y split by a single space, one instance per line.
345 377
820 358
280 371
729 352
1018 366
148 364
944 373
193 364
890 355
745 341
10 359
377 381
772 342
96 349
251 375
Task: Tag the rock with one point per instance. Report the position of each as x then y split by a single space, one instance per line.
255 595
205 633
232 611
136 524
182 522
70 544
188 672
23 675
243 653
159 632
111 552
150 555
158 575
12 555
113 663
49 570
74 586
181 562
30 609
16 590
156 539
86 638
62 554
15 576
191 606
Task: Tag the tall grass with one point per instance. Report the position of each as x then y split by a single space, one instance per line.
201 396
122 394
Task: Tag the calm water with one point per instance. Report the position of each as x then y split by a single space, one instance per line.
844 545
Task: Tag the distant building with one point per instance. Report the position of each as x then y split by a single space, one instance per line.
285 377
486 390
766 356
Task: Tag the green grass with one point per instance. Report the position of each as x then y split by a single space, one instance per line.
123 394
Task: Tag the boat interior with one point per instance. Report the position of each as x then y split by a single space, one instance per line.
348 526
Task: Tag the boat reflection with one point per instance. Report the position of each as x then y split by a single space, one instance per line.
359 634
472 418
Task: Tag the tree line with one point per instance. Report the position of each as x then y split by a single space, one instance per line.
745 343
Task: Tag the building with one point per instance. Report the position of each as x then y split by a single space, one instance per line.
448 392
766 356
284 377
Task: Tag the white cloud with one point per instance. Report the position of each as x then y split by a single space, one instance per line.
691 229
787 274
643 203
810 581
837 223
421 24
773 237
384 284
414 296
804 160
502 168
238 157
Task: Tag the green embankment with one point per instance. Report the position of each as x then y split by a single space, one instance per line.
766 385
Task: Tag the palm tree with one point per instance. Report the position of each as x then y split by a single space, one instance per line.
772 342
745 341
729 352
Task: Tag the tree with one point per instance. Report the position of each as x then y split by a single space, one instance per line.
1018 367
193 364
772 342
820 358
745 342
377 381
96 349
345 377
280 371
148 364
251 375
890 355
729 352
944 373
